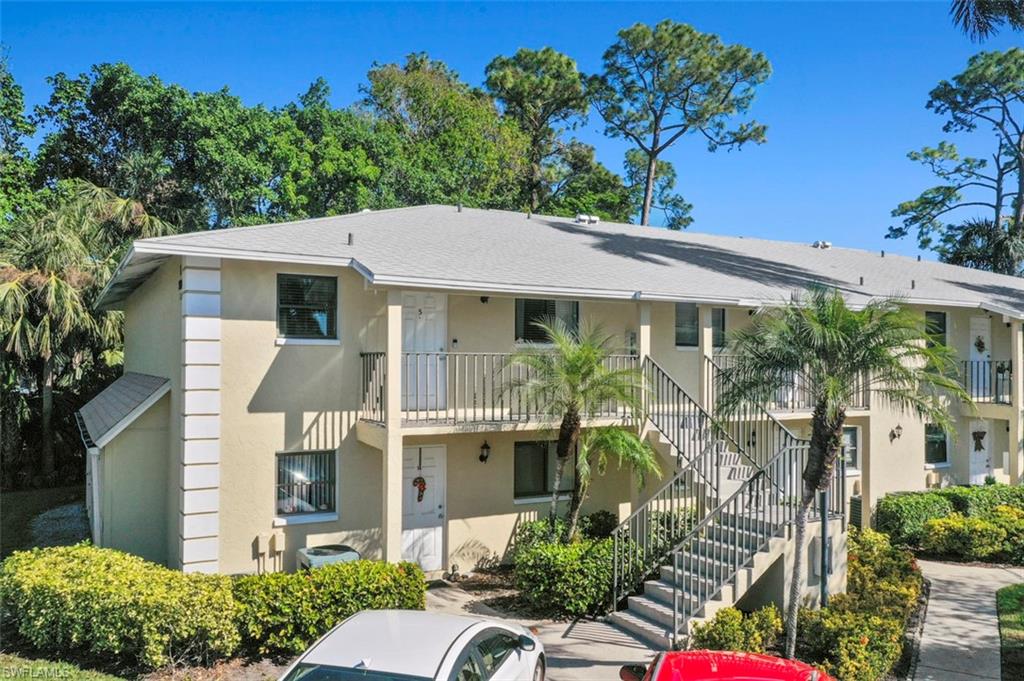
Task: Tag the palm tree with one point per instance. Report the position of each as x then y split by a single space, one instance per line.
831 348
567 378
980 19
51 267
597 447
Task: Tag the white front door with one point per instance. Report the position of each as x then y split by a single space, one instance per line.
981 354
980 451
424 340
423 506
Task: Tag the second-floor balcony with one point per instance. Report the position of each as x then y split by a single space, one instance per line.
795 395
987 381
461 388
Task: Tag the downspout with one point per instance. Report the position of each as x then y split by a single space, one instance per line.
92 473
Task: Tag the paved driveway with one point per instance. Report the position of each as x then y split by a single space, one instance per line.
584 650
961 633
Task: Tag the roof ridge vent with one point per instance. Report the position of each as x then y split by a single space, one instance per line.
585 219
822 245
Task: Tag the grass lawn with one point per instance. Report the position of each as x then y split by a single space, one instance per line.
1010 601
15 667
17 509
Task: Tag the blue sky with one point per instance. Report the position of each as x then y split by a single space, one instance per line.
844 104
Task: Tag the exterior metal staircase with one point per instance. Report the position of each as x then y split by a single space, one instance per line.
707 535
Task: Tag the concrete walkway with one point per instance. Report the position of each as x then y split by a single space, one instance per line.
961 633
581 650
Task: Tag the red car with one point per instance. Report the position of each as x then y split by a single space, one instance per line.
713 665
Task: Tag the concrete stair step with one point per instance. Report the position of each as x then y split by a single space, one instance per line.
647 631
661 590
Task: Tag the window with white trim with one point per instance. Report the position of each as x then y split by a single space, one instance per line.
935 327
851 447
936 445
307 307
688 326
529 311
306 482
534 470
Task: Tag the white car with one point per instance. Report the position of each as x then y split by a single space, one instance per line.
409 645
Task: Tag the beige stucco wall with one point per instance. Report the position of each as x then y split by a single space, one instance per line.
135 485
152 345
302 397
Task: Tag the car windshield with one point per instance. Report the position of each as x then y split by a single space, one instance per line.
323 672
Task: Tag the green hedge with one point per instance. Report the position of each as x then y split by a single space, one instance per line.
283 613
980 501
852 646
86 601
83 602
998 536
902 516
730 629
859 636
565 580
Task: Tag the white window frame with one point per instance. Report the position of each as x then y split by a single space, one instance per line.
292 340
545 497
312 516
855 470
693 348
949 448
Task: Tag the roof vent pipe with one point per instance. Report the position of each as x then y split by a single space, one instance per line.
585 219
822 245
883 254
919 257
913 284
862 281
351 240
458 207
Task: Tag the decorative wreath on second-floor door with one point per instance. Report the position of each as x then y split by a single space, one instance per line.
979 344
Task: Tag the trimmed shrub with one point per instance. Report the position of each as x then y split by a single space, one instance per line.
565 580
902 516
852 646
599 524
83 600
961 537
880 579
283 613
730 629
979 502
1010 519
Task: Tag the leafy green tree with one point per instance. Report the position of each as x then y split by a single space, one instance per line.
323 160
568 378
988 94
829 347
445 141
674 207
671 80
599 446
52 265
577 183
16 180
543 92
981 19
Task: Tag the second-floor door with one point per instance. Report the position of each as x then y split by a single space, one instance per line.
981 353
424 346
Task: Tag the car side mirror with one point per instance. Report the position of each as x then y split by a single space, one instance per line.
632 672
526 643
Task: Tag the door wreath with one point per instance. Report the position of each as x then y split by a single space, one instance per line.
421 485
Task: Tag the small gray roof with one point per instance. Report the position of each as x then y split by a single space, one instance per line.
120 403
501 251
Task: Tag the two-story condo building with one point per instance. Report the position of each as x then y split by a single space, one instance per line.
345 379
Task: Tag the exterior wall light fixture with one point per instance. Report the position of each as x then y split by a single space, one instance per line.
485 452
896 433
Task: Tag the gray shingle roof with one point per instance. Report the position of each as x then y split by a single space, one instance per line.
110 412
502 251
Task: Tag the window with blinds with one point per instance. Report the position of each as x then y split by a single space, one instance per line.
529 311
306 482
534 470
688 326
307 306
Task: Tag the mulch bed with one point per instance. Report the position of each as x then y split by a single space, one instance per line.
495 587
